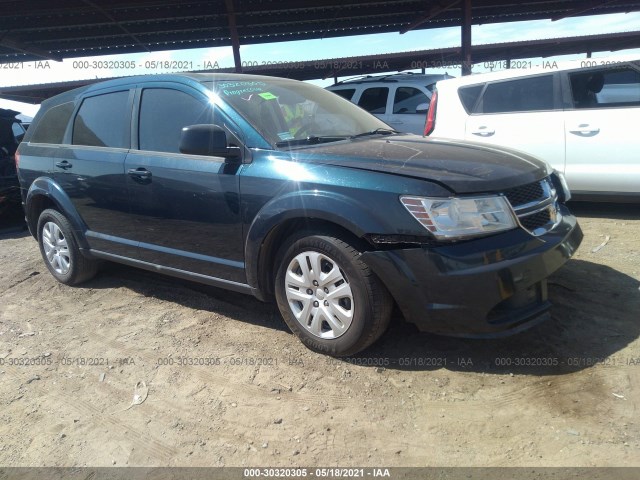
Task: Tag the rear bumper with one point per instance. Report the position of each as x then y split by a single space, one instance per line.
485 287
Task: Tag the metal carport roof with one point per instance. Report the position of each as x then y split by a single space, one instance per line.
73 28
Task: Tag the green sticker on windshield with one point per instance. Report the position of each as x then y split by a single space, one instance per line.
268 96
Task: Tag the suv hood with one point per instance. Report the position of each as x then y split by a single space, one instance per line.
463 167
7 113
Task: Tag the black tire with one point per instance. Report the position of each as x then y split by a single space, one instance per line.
370 305
79 268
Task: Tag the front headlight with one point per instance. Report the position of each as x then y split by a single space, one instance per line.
450 218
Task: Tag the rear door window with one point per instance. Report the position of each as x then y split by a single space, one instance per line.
103 121
407 99
521 95
374 100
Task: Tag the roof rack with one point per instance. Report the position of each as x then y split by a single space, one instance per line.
372 77
385 78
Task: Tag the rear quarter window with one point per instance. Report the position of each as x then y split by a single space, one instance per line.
469 96
345 92
53 124
18 131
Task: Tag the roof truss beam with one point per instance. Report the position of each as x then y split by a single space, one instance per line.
17 46
433 12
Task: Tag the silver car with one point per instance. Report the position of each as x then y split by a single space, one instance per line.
400 99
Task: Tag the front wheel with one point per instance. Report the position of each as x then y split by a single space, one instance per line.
60 250
329 297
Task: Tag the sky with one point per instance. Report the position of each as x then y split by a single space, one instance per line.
222 57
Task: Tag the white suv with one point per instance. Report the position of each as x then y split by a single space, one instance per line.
582 119
400 100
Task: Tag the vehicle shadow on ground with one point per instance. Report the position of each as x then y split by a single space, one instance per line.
594 316
193 295
13 232
11 217
9 229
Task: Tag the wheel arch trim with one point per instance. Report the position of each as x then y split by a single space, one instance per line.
311 206
47 187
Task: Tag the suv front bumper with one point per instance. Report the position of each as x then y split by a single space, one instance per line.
484 287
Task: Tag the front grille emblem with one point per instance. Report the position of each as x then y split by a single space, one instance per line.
536 206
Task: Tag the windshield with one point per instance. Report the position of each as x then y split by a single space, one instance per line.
285 110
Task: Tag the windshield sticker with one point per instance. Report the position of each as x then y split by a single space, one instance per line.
285 136
268 96
239 88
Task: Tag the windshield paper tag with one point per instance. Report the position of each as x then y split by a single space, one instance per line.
285 136
241 88
268 96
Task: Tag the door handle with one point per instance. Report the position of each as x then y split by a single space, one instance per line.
585 130
483 132
64 164
140 174
396 122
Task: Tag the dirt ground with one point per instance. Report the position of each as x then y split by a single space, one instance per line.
228 385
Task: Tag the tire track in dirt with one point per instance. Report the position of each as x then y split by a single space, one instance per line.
154 408
142 441
18 282
241 389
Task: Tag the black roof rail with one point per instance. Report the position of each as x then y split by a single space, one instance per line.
384 78
375 77
357 77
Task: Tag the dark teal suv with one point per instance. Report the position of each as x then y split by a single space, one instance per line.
283 190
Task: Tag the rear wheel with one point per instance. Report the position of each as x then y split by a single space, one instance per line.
328 297
60 250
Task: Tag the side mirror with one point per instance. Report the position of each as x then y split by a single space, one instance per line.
208 140
422 108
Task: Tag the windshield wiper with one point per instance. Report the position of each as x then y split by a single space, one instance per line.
311 140
377 131
314 139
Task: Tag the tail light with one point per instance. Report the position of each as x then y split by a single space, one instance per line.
431 115
16 158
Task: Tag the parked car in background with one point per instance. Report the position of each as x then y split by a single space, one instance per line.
400 100
337 217
25 121
581 118
11 134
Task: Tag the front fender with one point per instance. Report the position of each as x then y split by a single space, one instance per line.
346 212
47 187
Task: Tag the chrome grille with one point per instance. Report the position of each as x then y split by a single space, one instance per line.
535 205
537 220
525 194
